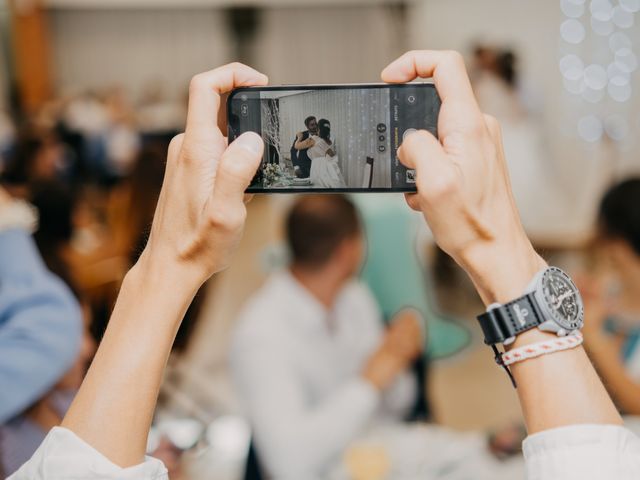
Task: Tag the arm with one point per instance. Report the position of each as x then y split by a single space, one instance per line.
197 225
40 325
464 193
304 144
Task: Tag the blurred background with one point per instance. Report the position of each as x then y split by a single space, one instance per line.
91 92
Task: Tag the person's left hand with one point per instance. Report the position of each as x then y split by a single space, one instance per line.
201 211
404 337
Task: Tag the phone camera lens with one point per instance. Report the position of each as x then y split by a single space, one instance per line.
381 148
381 127
244 110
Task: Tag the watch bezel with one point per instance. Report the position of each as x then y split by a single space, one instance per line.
551 313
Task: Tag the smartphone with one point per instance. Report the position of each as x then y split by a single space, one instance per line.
333 138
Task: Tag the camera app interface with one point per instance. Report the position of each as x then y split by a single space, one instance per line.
334 138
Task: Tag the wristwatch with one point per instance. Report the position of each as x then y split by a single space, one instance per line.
552 303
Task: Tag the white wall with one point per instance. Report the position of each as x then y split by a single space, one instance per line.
98 49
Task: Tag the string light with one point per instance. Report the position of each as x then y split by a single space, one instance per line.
607 73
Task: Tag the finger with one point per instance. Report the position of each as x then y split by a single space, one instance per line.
413 200
237 168
447 69
247 198
436 175
205 89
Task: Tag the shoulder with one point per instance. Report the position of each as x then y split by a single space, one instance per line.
262 315
359 297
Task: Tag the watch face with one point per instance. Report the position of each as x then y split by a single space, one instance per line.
562 299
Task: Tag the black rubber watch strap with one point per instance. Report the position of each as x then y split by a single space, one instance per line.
510 319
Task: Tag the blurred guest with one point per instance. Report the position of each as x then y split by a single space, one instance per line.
40 321
37 156
55 205
23 434
7 136
498 88
159 114
310 357
122 138
612 301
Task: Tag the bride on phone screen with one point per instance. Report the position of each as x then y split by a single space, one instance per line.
325 170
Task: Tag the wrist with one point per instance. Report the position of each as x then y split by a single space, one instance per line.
182 277
501 274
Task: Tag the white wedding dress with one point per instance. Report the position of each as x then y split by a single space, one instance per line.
325 169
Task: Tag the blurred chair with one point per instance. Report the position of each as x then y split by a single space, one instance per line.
396 277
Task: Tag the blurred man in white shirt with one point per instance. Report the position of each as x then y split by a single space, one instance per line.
310 356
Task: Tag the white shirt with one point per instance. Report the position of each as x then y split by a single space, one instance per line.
297 368
578 452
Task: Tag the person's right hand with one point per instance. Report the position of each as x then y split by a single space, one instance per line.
462 181
402 343
200 214
404 336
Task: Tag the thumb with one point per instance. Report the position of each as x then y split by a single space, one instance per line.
423 152
237 168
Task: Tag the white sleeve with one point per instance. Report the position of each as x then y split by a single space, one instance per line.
398 399
295 440
583 452
64 455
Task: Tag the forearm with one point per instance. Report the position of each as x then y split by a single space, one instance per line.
561 389
556 389
304 144
114 407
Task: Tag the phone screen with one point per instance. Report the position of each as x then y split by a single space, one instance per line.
333 137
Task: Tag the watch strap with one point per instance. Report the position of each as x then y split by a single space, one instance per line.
508 320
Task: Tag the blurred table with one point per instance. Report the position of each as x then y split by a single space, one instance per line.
428 452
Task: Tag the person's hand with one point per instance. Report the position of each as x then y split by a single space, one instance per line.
401 344
383 367
404 337
299 136
200 214
463 183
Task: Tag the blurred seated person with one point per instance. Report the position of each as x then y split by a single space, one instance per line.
310 357
22 435
40 321
612 301
37 156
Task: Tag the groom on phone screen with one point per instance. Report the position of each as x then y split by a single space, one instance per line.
299 157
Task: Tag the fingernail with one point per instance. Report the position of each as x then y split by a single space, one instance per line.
250 141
